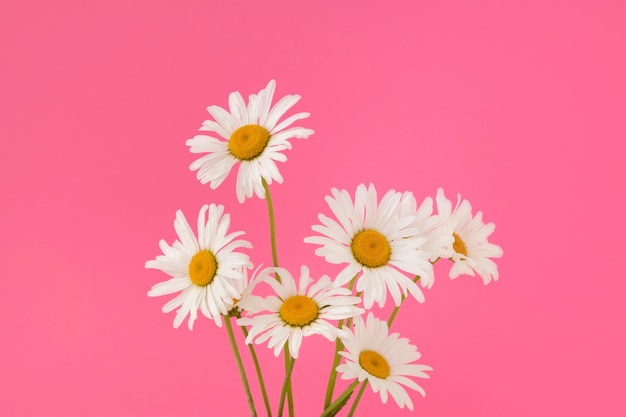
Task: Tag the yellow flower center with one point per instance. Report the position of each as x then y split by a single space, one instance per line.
374 364
202 268
248 142
459 245
299 311
371 248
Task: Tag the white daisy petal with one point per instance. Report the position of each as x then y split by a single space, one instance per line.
203 143
213 126
185 234
265 101
295 341
168 287
213 168
294 132
175 302
288 121
253 109
238 108
279 109
225 119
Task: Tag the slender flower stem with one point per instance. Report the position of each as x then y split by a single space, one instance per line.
332 379
242 371
288 359
341 399
270 211
333 372
355 403
259 374
286 385
392 317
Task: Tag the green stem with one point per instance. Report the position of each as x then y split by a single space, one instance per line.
286 385
287 371
270 210
332 378
341 399
242 371
259 374
330 388
357 399
392 317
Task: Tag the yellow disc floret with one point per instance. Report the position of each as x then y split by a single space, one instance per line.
371 248
248 142
374 364
459 245
299 311
202 268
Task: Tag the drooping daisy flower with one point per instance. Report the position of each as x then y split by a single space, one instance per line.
438 241
381 358
470 249
296 312
375 241
251 137
241 288
201 268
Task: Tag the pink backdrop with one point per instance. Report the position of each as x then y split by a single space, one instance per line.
519 106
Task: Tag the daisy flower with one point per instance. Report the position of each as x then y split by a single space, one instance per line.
470 249
201 268
438 241
382 359
296 312
376 241
250 136
241 286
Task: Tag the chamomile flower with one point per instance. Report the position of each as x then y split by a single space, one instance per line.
242 288
201 268
383 359
296 312
438 241
471 251
377 242
249 135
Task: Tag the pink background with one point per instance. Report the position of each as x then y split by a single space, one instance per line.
519 106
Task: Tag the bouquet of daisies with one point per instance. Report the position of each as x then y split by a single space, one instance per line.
387 246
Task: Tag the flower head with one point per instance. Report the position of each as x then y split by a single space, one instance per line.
375 240
201 268
251 136
470 250
438 240
296 312
381 358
